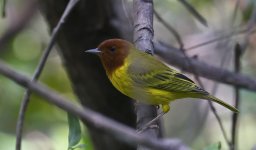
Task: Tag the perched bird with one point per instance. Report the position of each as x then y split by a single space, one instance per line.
144 78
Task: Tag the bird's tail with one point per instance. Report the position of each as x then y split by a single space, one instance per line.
212 98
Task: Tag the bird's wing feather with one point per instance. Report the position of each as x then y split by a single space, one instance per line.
158 76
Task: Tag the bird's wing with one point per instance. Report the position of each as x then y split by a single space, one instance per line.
158 76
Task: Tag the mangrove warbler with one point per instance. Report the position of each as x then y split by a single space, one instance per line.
146 79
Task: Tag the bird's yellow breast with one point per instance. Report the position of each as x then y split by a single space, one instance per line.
122 81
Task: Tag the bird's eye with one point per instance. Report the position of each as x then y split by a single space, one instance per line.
113 48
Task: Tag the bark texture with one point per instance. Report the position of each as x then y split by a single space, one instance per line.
91 22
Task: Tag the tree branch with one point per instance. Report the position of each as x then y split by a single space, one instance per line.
235 116
143 25
143 36
174 57
91 118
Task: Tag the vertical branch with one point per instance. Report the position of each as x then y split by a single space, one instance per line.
237 67
235 116
143 25
41 64
143 35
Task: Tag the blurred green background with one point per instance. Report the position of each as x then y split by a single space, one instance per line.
193 124
46 126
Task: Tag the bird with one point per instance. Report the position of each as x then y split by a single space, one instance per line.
144 78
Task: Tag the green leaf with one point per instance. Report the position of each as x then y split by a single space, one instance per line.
74 135
215 146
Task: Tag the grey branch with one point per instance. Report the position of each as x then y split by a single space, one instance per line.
37 73
91 118
174 57
143 36
235 116
143 25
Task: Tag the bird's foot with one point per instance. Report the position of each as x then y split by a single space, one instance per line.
150 124
157 106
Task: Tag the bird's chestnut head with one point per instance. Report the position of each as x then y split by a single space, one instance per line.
112 53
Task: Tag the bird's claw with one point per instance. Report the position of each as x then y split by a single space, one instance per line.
152 126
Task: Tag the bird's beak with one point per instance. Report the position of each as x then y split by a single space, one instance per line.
93 51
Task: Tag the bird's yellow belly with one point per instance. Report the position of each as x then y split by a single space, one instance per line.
125 84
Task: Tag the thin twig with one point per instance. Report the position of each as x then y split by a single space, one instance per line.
229 142
196 76
229 35
213 109
222 65
4 8
210 102
195 73
41 64
224 133
239 50
224 59
194 12
235 116
91 118
170 28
